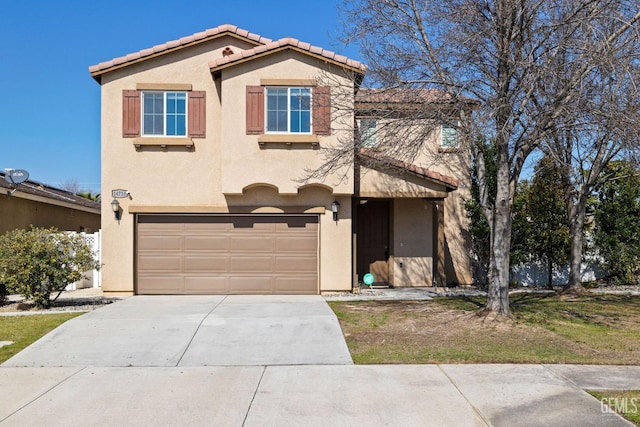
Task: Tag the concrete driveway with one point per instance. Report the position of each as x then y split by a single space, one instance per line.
279 361
148 331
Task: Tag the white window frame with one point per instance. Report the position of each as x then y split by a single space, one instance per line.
368 135
266 110
444 128
164 114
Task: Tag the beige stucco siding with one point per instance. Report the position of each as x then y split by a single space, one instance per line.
458 240
17 212
412 242
244 162
224 172
177 176
384 185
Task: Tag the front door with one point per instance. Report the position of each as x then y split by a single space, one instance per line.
373 240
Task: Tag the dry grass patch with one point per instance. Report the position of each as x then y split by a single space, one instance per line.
556 329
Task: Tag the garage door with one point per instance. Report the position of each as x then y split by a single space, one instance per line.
227 254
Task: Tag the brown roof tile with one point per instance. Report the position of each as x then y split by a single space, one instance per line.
448 181
284 43
401 95
98 69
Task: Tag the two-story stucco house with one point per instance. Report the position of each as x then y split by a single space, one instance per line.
211 134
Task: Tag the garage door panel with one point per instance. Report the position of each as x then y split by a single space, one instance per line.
251 284
294 264
206 284
205 243
161 243
252 264
227 254
160 263
251 243
211 264
295 244
207 226
295 285
156 224
161 284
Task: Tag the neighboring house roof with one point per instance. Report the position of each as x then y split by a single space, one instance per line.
287 43
407 98
402 95
376 158
47 194
170 46
263 45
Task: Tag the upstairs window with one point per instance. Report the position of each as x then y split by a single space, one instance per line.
164 113
368 132
288 110
449 137
294 110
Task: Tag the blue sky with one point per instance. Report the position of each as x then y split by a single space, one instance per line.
50 109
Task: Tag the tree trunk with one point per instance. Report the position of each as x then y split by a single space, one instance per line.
575 255
550 278
498 292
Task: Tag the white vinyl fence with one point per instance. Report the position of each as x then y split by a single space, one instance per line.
92 279
537 274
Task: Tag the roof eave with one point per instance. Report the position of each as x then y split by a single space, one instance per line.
450 184
360 70
100 69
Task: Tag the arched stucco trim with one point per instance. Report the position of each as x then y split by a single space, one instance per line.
315 185
256 185
268 209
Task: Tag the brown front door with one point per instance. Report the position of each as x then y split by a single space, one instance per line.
373 240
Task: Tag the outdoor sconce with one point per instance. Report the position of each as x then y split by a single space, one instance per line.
115 207
334 208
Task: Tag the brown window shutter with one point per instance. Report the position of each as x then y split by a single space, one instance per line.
322 110
197 114
255 110
130 113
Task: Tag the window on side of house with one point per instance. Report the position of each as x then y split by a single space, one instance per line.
164 113
368 132
449 137
288 110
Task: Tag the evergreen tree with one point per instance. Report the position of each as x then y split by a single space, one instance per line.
617 221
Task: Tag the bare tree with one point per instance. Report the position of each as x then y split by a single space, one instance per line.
71 185
502 53
601 122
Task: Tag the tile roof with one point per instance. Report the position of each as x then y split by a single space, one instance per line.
285 43
401 95
263 46
449 182
211 33
46 191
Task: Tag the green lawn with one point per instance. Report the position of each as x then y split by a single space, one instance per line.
24 330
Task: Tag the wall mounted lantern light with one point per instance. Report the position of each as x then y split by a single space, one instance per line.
334 208
115 207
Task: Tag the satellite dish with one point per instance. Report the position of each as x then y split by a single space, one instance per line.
16 176
19 176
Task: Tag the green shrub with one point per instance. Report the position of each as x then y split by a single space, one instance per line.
41 262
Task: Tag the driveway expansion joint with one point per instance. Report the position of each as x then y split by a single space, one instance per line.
470 403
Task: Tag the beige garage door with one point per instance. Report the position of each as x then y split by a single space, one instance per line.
227 254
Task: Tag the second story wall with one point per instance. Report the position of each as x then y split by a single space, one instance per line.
168 175
280 159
